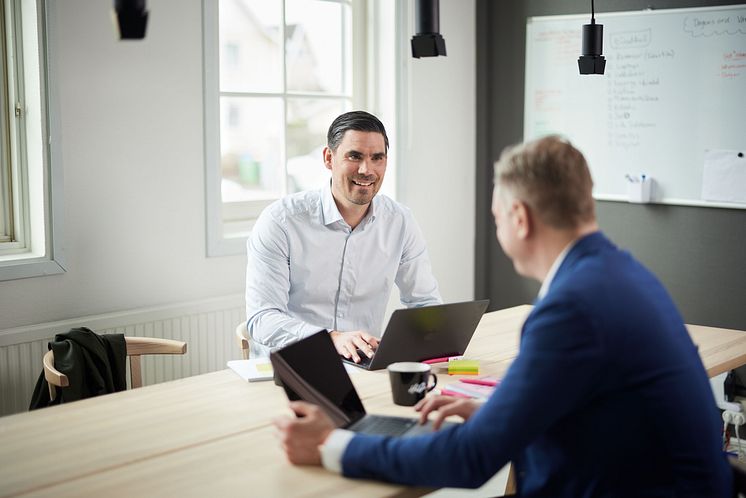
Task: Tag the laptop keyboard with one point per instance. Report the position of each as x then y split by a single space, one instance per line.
385 426
364 360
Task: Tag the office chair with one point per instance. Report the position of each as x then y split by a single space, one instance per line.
136 347
242 336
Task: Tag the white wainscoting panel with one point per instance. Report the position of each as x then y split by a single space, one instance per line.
206 326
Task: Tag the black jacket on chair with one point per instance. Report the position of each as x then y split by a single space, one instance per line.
94 365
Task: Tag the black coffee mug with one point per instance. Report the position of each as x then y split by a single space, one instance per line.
409 382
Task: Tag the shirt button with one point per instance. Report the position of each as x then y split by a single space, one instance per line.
339 315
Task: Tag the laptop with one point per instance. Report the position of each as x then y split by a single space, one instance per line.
418 334
310 370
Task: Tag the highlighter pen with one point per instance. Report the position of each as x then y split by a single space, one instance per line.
441 360
481 382
448 392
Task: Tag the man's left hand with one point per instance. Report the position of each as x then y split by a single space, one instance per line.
348 343
302 436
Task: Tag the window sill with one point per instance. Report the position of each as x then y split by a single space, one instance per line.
232 241
27 266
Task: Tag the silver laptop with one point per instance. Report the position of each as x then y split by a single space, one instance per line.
418 334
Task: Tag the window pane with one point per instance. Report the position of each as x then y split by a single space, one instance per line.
251 134
5 192
6 203
315 46
250 45
308 122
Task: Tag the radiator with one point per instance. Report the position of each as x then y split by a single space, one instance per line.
206 326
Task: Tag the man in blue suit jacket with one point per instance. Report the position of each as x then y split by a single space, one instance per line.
605 362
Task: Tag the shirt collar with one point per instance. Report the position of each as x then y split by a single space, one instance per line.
330 212
370 216
553 270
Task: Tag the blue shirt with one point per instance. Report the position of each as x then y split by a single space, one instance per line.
308 270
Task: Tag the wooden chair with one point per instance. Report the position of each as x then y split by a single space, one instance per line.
136 347
242 337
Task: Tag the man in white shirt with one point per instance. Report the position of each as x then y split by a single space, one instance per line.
328 258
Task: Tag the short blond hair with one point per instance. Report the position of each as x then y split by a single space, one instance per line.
551 177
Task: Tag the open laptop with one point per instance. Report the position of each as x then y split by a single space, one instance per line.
311 370
418 334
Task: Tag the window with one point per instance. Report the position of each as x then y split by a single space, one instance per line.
7 232
26 236
277 72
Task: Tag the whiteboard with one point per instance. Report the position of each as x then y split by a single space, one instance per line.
675 86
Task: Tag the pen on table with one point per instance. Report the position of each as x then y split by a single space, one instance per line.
441 360
448 392
481 382
631 179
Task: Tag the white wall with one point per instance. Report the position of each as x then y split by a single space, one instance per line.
132 155
438 179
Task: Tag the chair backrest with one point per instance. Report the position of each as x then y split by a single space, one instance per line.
136 347
242 337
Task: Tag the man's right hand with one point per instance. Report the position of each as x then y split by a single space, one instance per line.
302 436
445 406
348 343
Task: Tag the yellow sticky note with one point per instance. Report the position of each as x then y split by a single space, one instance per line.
463 367
264 367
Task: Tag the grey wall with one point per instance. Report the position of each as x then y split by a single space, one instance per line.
698 253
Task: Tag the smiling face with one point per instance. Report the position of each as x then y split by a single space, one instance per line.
358 167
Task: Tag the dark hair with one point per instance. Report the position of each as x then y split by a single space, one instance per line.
552 177
354 120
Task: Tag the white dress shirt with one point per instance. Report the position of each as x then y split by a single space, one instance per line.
335 445
308 270
553 270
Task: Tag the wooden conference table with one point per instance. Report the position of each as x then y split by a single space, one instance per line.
211 435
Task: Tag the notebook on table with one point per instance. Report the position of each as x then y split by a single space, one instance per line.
417 334
311 370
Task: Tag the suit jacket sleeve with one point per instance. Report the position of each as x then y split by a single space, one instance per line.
559 358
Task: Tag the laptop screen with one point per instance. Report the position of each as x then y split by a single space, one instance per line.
311 370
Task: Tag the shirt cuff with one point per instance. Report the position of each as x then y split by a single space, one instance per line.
334 448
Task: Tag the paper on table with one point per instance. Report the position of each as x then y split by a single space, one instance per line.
256 370
724 176
252 370
468 390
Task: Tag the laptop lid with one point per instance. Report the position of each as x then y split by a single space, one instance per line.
417 334
310 369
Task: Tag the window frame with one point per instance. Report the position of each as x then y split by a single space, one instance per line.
9 207
242 215
37 248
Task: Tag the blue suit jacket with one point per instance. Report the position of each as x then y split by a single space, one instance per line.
607 397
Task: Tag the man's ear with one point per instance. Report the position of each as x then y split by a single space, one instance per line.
522 219
327 158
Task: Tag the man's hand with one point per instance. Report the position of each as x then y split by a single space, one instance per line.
348 343
301 437
445 406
